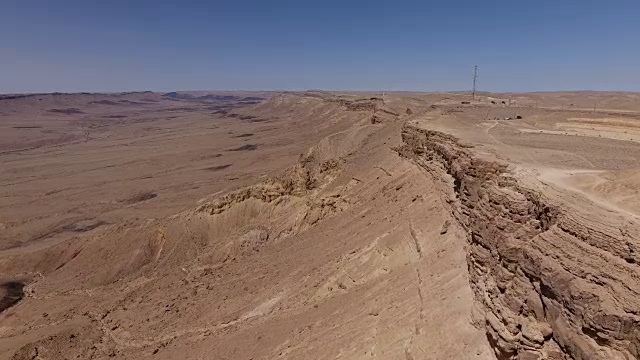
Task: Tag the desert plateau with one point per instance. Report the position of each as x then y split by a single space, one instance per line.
320 225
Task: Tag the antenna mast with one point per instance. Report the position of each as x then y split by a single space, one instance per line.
475 78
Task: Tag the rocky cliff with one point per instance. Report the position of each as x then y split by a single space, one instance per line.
555 279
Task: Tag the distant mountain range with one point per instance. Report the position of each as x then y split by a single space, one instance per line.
185 96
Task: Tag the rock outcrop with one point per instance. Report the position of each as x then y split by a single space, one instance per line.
555 279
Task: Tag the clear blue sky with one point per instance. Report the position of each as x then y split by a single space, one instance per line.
117 45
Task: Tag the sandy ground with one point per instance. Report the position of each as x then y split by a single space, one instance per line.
587 151
274 225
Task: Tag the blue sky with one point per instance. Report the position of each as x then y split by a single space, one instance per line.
73 45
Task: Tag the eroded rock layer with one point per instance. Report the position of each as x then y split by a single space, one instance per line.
556 279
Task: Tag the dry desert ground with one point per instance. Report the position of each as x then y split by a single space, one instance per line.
320 225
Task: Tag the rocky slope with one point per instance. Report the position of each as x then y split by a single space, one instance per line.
557 278
347 252
316 240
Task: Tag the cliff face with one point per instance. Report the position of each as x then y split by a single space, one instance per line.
556 280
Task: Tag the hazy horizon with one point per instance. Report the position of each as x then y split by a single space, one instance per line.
167 90
323 90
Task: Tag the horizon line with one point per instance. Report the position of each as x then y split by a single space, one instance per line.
310 90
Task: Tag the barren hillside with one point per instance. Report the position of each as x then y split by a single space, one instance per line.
319 225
